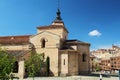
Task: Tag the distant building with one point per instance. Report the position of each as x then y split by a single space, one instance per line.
67 57
109 59
92 63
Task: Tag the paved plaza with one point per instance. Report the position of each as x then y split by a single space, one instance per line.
73 78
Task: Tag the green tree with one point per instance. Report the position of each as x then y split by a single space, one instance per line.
97 67
6 64
47 66
33 64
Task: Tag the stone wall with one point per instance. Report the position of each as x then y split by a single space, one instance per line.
73 63
84 66
60 32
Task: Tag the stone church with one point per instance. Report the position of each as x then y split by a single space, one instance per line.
67 57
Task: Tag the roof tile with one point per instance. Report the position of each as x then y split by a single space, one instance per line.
14 39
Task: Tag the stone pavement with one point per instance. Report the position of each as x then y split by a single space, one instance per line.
73 78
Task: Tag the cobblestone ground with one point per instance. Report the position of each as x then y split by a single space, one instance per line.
73 78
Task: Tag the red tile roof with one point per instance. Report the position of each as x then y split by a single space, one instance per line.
14 39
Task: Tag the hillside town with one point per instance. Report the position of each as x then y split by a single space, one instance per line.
105 60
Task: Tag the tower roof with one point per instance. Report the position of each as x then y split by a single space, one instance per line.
56 24
58 19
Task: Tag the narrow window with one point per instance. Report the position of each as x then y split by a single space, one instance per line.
15 67
83 57
64 62
65 37
43 43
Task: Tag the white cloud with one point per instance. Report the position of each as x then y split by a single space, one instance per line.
94 33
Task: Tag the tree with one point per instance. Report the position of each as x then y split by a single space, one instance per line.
6 64
33 64
97 67
47 66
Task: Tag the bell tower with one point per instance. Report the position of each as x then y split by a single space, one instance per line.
59 23
57 27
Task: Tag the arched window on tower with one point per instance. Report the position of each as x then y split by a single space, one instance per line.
43 43
83 57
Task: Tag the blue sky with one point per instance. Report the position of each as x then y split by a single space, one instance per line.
93 21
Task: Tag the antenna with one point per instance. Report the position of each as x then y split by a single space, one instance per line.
58 4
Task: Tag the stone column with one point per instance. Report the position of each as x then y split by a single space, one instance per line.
21 69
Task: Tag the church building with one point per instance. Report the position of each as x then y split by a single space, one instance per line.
67 57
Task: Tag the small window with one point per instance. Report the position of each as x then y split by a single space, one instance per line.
83 57
65 37
43 43
64 62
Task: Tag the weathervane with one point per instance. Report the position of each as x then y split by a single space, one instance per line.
58 4
58 17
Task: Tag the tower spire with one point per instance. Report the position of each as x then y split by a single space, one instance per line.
58 19
58 4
